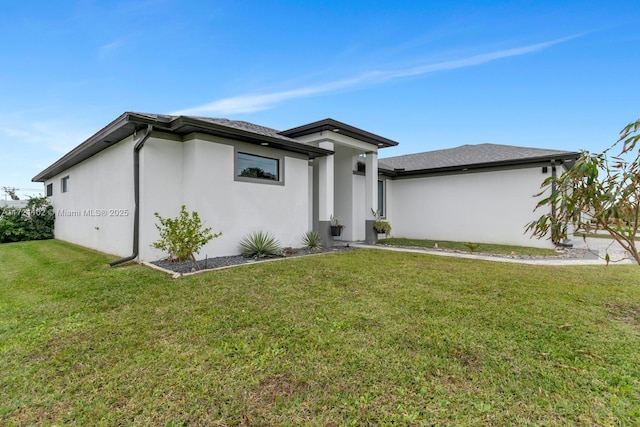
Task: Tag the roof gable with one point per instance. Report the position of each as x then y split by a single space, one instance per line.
343 128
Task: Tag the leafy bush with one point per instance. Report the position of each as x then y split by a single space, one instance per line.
382 227
260 245
472 246
311 240
32 222
42 218
379 225
183 236
14 225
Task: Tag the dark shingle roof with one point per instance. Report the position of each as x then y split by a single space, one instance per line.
249 127
129 123
481 155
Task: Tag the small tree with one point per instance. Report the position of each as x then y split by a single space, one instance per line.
600 192
184 236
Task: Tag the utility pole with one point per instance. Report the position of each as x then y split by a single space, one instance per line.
11 191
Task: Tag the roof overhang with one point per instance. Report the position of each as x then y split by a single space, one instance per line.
566 158
339 127
129 123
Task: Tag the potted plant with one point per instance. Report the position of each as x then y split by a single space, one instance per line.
336 227
380 226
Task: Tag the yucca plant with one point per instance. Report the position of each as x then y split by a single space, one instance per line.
311 240
260 245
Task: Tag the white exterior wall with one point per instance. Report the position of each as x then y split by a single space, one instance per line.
343 192
206 176
161 188
97 211
486 207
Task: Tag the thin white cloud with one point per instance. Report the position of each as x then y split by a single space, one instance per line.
257 102
110 48
57 137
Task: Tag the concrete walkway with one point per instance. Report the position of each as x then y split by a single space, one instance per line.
597 248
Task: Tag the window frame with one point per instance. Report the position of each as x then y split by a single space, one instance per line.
279 165
382 198
64 184
49 189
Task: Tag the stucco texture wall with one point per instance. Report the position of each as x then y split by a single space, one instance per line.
200 174
489 207
97 210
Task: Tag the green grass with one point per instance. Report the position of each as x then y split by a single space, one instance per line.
364 337
468 246
599 235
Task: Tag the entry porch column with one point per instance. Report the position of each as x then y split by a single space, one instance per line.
325 194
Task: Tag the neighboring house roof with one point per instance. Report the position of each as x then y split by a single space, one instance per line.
343 128
129 123
471 157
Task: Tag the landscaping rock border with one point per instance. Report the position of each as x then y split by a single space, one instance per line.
233 260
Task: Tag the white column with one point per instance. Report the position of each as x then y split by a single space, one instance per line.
325 184
371 185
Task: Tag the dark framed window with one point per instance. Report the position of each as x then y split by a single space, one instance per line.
257 167
49 190
64 184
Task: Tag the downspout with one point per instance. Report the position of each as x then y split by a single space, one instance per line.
136 195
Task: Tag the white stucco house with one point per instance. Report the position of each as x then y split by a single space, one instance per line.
241 177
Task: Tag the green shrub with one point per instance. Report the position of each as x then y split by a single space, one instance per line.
311 240
260 245
42 218
32 222
472 246
184 236
379 225
382 227
14 225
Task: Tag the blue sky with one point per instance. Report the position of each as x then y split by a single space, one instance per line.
430 75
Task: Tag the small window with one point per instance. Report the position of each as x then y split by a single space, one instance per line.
257 167
64 184
49 190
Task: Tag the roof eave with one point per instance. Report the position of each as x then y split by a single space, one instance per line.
343 128
99 141
127 123
564 157
250 137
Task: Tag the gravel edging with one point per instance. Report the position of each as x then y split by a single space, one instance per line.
208 264
567 253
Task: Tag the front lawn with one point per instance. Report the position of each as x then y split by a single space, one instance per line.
365 337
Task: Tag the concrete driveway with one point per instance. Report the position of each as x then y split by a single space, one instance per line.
598 247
